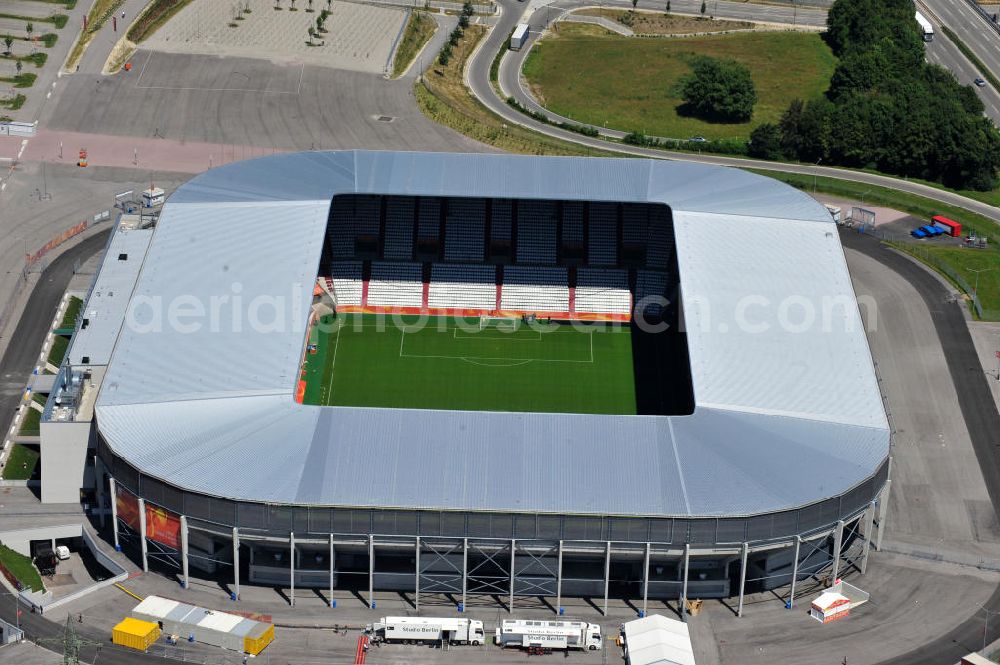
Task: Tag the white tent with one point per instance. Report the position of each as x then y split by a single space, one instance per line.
657 640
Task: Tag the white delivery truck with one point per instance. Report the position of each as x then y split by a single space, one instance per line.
549 634
834 212
427 629
519 36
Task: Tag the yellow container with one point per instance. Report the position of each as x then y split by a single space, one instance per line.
254 644
135 634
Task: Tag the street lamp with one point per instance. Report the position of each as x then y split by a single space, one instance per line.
977 271
863 197
815 174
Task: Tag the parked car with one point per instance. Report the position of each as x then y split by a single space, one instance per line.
918 233
698 139
980 81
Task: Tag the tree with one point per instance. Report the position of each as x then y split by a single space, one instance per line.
312 35
765 142
463 21
703 7
292 3
635 3
29 28
719 90
277 4
328 7
8 42
668 6
310 9
18 66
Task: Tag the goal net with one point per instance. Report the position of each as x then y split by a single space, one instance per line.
502 323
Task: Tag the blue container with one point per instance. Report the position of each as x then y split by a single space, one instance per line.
788 604
642 614
232 596
373 604
461 607
333 604
562 611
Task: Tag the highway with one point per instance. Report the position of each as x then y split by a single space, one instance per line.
478 79
970 27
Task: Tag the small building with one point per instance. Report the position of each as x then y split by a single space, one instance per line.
135 634
830 606
658 640
198 624
152 197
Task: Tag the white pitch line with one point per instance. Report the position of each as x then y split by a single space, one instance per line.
333 365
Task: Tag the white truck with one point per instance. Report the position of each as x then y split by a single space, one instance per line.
925 27
549 634
427 630
519 36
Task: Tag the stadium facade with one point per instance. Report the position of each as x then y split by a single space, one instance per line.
778 473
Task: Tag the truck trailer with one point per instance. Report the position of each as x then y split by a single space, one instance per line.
424 630
925 27
519 36
549 634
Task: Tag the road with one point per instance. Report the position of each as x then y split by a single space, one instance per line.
944 52
478 78
970 27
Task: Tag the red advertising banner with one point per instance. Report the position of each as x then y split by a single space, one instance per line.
127 506
163 526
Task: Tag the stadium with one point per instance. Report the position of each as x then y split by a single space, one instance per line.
492 376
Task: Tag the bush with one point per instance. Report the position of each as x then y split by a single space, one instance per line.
765 142
720 90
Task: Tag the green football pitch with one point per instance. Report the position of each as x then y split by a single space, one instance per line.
401 362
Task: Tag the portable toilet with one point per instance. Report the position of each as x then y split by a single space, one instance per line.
135 634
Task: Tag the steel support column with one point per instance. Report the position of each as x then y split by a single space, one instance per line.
607 573
142 534
371 571
416 596
291 564
743 577
559 578
684 588
114 511
838 541
869 527
331 562
236 562
465 572
513 552
645 580
185 577
99 488
795 571
883 507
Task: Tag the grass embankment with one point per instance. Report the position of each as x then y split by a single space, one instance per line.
961 260
37 59
153 18
657 23
625 83
21 568
31 423
98 15
419 30
68 4
13 103
73 308
22 462
442 96
58 351
39 398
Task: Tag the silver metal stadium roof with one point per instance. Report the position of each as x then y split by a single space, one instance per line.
788 411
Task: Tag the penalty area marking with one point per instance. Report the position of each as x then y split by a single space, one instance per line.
502 336
472 359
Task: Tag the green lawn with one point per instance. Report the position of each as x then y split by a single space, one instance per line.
628 83
21 568
30 424
21 463
60 345
419 29
568 369
72 311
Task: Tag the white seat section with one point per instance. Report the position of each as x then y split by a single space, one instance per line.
464 229
500 220
429 224
536 232
572 232
396 285
660 244
650 283
347 283
462 286
601 250
399 228
635 223
530 289
602 291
